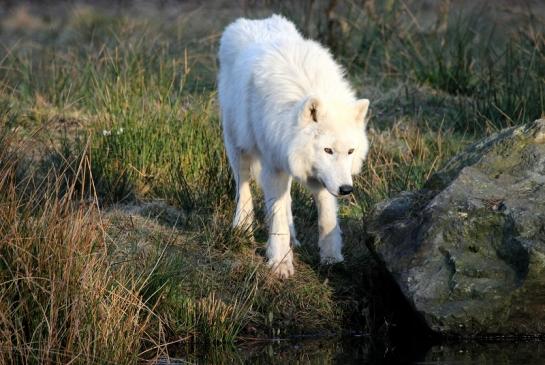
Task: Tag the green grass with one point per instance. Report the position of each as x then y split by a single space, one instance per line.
116 196
58 297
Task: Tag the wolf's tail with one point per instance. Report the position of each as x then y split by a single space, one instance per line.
244 32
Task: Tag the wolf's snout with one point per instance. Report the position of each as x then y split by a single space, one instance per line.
345 189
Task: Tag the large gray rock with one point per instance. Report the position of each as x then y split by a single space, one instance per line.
468 252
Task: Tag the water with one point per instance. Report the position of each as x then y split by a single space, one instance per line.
362 350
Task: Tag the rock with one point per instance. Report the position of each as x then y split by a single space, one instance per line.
468 252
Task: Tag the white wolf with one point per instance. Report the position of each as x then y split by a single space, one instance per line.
287 111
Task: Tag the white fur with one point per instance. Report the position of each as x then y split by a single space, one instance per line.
284 100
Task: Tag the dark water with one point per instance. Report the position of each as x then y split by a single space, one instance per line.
361 350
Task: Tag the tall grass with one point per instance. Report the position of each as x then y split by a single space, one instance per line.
58 298
70 290
501 83
169 152
151 135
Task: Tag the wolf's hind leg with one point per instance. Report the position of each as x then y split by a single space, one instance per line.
240 164
244 215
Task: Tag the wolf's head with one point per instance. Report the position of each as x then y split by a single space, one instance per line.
330 144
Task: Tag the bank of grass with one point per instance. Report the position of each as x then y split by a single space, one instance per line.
81 284
59 297
116 195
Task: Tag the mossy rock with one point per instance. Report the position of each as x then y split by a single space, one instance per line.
468 252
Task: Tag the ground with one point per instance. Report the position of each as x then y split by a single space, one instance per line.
116 195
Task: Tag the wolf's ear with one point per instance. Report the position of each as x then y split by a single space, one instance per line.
310 112
362 106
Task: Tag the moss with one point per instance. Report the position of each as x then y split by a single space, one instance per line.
505 157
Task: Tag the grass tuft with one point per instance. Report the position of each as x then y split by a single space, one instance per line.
58 297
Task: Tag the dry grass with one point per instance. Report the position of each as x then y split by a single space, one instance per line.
59 300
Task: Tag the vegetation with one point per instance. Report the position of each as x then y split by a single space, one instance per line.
115 192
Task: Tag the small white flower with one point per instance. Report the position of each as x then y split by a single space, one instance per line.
119 131
106 133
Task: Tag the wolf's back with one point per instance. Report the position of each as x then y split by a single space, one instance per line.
245 32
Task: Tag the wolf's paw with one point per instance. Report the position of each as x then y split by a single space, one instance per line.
330 250
281 268
330 260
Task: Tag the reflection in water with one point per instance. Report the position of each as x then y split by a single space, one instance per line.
499 353
361 350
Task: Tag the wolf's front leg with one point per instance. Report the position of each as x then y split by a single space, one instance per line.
276 190
330 241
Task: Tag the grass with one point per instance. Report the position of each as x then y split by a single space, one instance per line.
58 296
115 192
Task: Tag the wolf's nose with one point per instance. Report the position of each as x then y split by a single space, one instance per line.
345 189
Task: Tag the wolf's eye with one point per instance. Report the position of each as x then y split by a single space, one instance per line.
328 150
350 151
